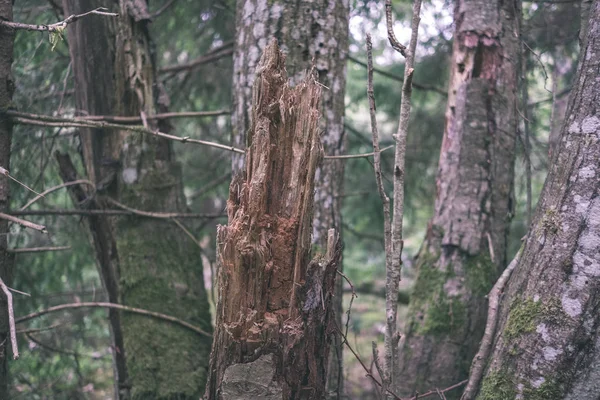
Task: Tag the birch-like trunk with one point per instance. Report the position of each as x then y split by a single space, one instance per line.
145 263
464 250
306 30
6 259
548 343
274 314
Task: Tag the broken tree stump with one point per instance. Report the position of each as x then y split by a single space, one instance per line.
274 315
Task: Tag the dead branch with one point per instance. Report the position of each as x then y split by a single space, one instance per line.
393 274
167 115
4 172
220 52
54 188
387 221
87 122
117 213
480 360
58 26
45 120
38 249
115 306
400 79
23 222
396 45
11 320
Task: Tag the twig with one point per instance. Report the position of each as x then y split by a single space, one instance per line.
19 292
491 247
36 330
393 274
438 391
480 360
45 120
24 223
223 51
86 122
399 78
116 212
363 155
38 249
4 172
188 233
11 320
58 26
380 371
353 296
164 7
168 115
159 215
118 307
387 221
396 45
54 188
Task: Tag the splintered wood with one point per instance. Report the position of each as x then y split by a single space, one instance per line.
274 317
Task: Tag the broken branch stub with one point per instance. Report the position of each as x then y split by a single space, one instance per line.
275 304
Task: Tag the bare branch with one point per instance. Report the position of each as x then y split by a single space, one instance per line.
220 52
387 221
11 320
396 45
54 188
480 360
89 122
162 9
4 172
116 212
24 223
393 274
348 156
118 307
168 115
399 78
58 26
45 120
38 249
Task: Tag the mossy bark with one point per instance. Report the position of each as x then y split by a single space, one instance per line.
548 337
146 263
465 247
6 260
274 316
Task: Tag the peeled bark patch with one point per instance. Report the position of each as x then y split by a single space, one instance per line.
274 301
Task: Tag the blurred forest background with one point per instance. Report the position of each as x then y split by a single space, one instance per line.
68 355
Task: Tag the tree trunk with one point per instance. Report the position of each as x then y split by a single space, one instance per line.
548 344
275 309
464 250
6 260
306 30
146 263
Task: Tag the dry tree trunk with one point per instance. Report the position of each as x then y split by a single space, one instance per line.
6 259
308 31
465 247
274 314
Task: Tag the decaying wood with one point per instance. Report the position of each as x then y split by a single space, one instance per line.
274 316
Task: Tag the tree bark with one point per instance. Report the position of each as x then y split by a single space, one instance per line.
6 259
306 30
464 250
143 262
275 309
548 343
